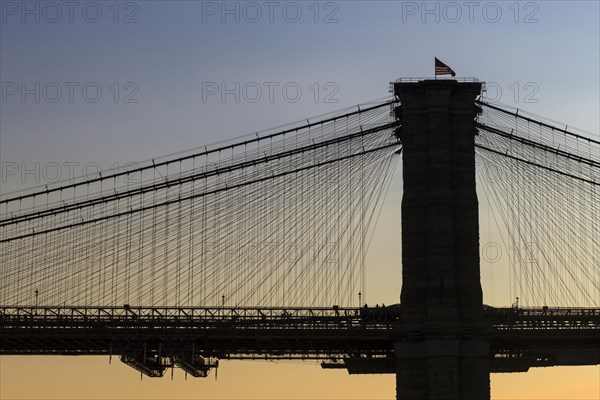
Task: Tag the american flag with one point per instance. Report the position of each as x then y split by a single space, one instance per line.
442 69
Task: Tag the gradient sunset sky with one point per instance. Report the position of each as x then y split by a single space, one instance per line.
104 83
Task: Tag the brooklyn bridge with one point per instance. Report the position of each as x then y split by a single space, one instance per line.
255 248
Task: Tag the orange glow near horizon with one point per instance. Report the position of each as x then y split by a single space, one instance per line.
54 377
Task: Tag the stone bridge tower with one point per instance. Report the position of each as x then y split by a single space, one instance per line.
447 355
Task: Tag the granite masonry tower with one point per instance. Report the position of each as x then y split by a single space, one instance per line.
446 355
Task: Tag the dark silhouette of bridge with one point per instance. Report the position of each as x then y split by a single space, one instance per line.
271 227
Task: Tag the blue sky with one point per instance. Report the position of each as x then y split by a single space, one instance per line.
177 48
155 65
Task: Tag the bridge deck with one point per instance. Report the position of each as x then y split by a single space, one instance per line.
229 332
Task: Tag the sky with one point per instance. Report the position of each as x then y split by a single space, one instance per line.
99 84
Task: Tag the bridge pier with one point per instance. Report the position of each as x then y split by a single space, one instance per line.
442 369
442 352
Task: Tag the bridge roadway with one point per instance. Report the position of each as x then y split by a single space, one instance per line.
361 340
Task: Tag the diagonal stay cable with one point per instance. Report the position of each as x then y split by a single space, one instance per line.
195 155
554 128
169 202
174 182
537 145
539 165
